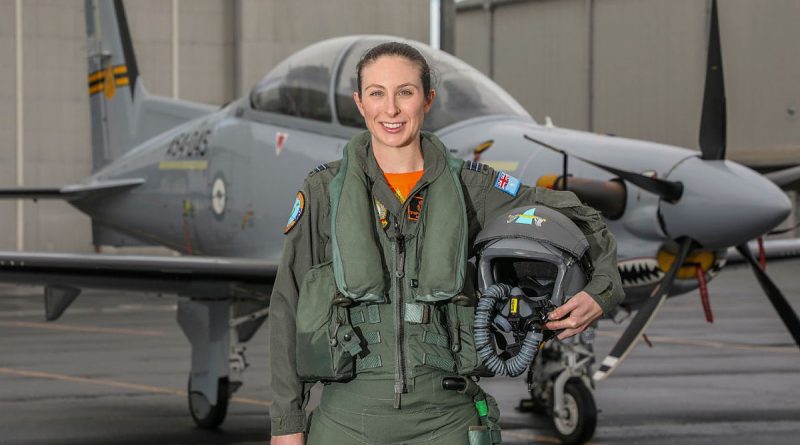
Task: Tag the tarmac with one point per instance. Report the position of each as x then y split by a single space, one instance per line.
114 370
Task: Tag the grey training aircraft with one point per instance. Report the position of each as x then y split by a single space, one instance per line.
216 184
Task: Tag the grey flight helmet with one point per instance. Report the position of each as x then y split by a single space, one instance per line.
536 249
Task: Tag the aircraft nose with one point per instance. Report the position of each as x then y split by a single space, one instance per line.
723 204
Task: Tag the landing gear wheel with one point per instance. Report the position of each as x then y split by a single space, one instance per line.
581 414
205 415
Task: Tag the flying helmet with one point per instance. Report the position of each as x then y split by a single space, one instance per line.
535 248
529 261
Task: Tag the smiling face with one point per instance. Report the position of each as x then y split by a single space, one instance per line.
393 102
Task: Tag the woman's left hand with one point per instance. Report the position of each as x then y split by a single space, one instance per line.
574 316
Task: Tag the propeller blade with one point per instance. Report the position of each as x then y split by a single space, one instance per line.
713 123
779 302
643 318
670 191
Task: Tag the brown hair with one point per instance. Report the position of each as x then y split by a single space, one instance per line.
396 49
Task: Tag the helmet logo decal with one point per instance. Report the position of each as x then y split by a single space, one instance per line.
528 217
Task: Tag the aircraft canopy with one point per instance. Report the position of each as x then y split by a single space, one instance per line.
301 85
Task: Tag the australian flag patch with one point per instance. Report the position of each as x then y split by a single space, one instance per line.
507 183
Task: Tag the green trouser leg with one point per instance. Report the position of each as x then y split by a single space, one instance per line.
362 413
332 429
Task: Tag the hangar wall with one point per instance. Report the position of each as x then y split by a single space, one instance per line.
201 50
629 67
636 68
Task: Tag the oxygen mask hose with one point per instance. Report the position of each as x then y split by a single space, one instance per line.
493 299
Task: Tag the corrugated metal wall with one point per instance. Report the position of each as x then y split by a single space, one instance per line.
636 68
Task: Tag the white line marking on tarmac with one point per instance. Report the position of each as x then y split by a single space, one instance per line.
121 309
709 343
79 328
117 384
538 438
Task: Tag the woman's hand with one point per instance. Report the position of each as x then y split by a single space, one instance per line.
288 439
575 315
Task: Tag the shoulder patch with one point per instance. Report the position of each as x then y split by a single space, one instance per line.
297 212
475 166
507 183
321 167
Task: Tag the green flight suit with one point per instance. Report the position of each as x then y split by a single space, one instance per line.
364 410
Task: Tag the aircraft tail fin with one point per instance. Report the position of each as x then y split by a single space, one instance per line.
123 113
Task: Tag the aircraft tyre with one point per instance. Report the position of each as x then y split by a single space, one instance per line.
205 415
581 414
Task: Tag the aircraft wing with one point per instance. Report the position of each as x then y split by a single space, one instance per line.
787 179
65 275
70 192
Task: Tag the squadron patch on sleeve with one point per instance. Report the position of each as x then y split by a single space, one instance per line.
507 183
297 212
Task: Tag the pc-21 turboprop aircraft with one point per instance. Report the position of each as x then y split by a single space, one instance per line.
216 185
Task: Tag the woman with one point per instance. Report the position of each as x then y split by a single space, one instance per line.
375 256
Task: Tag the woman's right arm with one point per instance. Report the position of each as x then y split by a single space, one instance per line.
290 395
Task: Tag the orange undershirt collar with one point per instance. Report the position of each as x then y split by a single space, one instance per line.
402 183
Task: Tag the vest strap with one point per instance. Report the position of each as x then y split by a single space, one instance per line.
433 338
357 317
373 314
436 361
369 362
372 337
417 313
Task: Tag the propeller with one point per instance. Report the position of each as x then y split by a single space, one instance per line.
776 297
712 141
670 191
713 127
643 317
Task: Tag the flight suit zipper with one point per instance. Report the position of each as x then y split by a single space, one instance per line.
400 386
399 246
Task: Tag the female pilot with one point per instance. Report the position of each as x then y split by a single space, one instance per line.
370 296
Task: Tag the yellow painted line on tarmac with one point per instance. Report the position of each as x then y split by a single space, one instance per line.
117 384
78 328
252 401
716 344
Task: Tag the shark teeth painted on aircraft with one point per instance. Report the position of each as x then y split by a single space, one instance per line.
644 271
639 272
719 263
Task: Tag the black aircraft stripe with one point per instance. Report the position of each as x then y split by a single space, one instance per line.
127 45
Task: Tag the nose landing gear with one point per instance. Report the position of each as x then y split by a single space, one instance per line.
205 414
578 419
561 388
